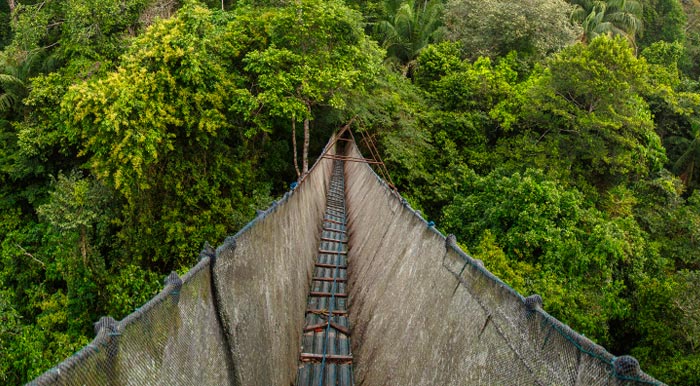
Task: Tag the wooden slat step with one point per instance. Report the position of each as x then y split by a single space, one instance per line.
333 240
327 252
325 312
327 294
309 357
338 279
323 265
334 230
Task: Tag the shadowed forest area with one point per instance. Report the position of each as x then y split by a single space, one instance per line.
558 140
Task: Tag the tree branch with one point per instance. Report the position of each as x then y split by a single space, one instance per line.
30 255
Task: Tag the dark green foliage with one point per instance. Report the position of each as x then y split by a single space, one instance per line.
692 37
675 104
5 31
663 20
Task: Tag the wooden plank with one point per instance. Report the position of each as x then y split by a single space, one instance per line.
328 294
338 279
309 357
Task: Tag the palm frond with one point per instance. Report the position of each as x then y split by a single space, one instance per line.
409 26
7 102
608 17
7 80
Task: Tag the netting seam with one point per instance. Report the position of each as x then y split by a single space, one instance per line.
223 322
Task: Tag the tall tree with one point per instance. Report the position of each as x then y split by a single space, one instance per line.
158 130
608 17
496 27
409 26
586 112
315 54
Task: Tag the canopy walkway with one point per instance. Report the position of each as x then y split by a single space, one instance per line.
326 358
340 283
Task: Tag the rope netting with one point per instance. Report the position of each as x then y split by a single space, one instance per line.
423 311
461 324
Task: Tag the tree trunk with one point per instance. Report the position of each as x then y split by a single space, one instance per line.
305 152
12 5
294 145
83 244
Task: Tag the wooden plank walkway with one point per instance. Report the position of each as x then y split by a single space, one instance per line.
326 357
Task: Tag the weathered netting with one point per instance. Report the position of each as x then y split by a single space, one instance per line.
422 311
179 326
426 313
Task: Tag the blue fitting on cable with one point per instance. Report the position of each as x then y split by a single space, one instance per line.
431 224
293 185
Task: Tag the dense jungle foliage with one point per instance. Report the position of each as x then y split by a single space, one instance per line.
559 140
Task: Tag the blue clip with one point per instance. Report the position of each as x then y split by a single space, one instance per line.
431 224
293 185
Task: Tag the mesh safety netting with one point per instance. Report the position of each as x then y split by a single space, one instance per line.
422 311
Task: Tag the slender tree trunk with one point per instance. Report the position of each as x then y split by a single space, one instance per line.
12 4
305 153
83 244
294 146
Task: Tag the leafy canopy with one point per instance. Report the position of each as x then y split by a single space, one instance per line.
496 27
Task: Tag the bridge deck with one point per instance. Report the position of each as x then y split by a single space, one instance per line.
326 358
